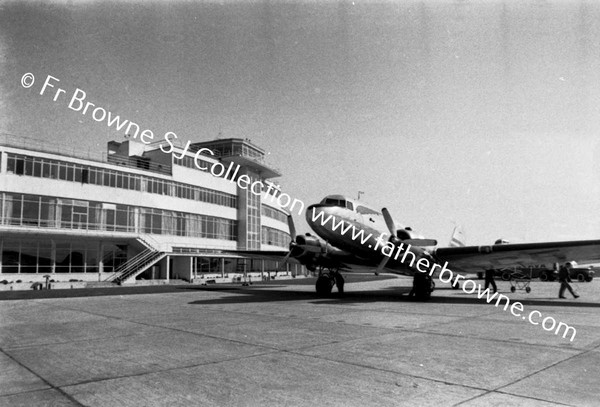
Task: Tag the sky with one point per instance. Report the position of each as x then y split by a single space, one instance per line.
483 114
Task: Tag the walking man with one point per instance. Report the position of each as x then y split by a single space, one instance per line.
564 279
489 279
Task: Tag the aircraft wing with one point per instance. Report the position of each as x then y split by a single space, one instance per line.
480 258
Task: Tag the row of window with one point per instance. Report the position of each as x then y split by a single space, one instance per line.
227 148
274 237
43 257
63 257
51 212
273 213
253 223
190 162
204 265
47 168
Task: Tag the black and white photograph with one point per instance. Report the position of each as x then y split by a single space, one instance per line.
299 203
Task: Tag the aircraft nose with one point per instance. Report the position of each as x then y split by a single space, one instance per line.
312 212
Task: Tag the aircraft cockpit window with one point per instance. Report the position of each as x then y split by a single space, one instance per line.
349 205
338 202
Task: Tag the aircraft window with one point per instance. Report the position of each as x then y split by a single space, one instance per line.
366 211
349 205
336 202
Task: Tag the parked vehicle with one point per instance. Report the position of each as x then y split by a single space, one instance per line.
581 274
543 273
548 275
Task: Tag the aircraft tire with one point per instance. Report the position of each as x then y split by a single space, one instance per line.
423 287
324 285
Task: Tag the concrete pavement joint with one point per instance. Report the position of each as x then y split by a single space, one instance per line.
486 391
41 378
272 348
379 369
544 346
170 369
497 390
509 394
167 328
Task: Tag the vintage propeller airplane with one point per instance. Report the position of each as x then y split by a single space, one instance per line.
350 232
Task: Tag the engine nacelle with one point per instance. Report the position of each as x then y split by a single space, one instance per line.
305 245
407 233
312 252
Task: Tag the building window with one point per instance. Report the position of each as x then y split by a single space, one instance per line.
51 212
45 168
274 237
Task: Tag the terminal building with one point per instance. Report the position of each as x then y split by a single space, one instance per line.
137 212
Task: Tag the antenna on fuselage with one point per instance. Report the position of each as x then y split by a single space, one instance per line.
359 194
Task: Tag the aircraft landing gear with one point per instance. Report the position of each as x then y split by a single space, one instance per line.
423 285
326 281
324 284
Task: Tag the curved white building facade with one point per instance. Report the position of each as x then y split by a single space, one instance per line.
135 212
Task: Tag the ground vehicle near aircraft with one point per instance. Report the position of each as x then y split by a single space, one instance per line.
582 273
539 271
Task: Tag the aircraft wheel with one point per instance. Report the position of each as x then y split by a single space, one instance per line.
324 285
544 277
423 285
528 289
513 289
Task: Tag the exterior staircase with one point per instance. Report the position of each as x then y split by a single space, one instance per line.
138 263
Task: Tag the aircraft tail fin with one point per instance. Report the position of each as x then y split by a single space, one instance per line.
458 238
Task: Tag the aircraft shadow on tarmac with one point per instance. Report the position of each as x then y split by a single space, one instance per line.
273 293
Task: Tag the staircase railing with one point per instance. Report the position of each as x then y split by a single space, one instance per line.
138 263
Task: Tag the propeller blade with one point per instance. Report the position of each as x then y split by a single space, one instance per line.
283 263
381 265
286 258
291 227
389 221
